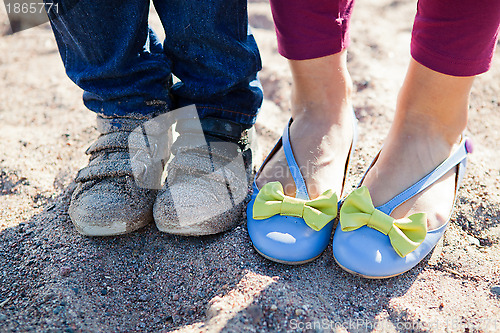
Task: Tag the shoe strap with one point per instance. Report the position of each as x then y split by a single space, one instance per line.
222 129
121 124
105 169
351 150
300 184
459 158
109 141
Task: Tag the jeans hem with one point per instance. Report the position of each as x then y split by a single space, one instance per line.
245 119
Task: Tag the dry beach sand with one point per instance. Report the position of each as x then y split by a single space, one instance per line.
54 280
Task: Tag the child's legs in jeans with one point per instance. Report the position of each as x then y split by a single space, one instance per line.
108 50
215 57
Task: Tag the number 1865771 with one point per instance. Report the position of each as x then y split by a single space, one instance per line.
31 8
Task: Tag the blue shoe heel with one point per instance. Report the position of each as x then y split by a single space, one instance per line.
369 243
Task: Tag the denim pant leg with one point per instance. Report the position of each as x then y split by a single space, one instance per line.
109 51
214 56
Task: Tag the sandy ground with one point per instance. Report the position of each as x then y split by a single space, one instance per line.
54 280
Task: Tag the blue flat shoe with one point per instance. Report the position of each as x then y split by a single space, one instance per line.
290 230
370 243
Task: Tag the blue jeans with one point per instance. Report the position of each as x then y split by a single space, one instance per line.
109 51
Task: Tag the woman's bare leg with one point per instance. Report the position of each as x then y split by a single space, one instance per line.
430 116
321 133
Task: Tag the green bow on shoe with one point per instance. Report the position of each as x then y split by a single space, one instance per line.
405 234
271 200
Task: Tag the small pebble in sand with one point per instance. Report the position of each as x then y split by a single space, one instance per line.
65 271
57 310
274 307
474 241
175 297
495 290
300 312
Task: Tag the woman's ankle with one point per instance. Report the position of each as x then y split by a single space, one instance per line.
432 104
322 87
415 129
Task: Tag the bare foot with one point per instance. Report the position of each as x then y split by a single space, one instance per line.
320 148
403 161
430 116
322 128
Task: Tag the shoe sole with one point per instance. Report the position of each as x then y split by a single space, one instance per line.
105 232
190 232
367 276
287 262
439 243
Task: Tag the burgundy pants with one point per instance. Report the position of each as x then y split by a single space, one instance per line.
454 37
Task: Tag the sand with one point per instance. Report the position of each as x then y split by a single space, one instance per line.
54 280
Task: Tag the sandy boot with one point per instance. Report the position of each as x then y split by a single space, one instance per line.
116 191
208 179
